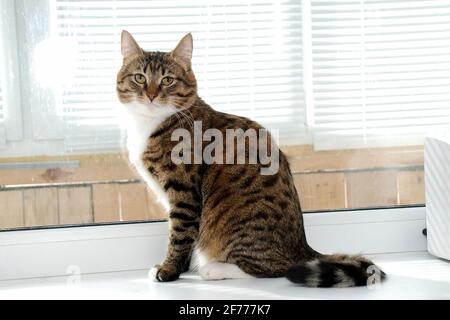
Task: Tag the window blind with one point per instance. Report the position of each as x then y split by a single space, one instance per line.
2 120
3 65
247 59
2 110
381 71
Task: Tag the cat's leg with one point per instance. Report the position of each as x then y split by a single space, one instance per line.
222 270
184 221
170 271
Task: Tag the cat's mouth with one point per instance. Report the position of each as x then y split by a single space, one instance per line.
157 105
151 109
152 104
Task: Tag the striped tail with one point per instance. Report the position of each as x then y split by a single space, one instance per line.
338 271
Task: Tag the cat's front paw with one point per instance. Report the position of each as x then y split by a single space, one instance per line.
164 273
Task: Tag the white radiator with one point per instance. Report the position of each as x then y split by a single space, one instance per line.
437 191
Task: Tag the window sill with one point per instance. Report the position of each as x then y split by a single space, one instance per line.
410 276
55 252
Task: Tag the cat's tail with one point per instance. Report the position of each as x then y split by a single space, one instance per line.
337 271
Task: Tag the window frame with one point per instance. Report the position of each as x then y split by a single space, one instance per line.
131 246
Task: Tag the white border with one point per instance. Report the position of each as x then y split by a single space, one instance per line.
54 252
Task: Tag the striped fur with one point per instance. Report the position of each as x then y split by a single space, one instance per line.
231 213
338 271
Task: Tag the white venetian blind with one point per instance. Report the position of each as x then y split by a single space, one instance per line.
381 71
247 59
2 108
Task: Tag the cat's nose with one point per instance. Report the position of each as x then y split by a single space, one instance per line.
152 95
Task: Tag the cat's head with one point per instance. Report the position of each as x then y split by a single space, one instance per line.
154 83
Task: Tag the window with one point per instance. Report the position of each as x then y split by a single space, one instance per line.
10 111
241 51
351 86
380 71
2 110
2 96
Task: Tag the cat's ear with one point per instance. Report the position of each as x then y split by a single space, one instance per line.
183 52
130 48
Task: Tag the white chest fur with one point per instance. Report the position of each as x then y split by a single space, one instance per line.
139 128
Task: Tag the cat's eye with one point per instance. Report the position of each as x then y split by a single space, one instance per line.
167 81
139 78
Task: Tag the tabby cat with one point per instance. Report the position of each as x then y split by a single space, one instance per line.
239 222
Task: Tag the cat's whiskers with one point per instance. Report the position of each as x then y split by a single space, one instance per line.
180 119
183 118
188 118
183 112
190 114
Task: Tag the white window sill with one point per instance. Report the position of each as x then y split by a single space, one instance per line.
410 276
98 249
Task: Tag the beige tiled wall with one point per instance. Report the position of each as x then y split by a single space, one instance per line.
113 202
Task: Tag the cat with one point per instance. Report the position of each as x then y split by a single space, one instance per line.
240 222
